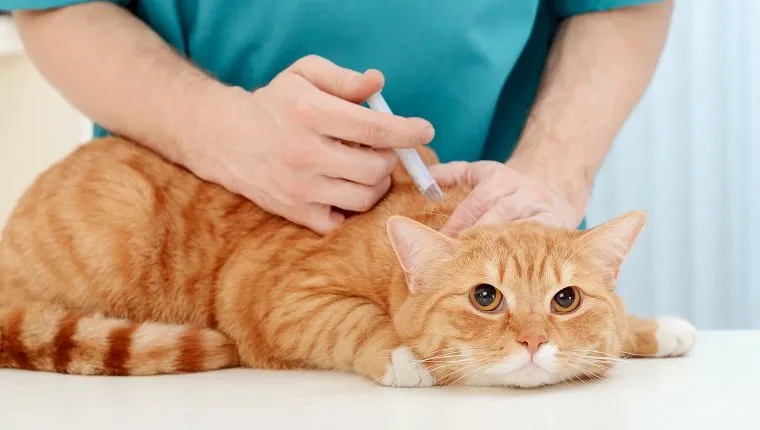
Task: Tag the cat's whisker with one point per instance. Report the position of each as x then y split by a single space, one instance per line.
465 349
464 364
441 358
449 374
591 354
462 349
444 365
593 351
447 359
593 358
579 361
564 380
572 378
475 370
568 379
475 364
598 364
589 374
456 348
581 370
593 365
454 354
575 378
639 355
444 360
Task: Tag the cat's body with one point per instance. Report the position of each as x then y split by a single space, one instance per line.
118 262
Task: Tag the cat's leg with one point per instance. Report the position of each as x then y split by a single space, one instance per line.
658 337
344 333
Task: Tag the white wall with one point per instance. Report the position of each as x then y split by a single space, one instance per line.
687 156
37 127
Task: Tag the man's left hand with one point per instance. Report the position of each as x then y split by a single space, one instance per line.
501 194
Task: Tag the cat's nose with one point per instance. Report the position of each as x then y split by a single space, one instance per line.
532 342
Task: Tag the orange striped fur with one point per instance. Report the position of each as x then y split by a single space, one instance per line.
117 262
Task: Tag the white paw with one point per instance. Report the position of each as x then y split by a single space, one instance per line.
675 336
406 371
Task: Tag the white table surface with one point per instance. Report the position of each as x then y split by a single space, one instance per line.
716 387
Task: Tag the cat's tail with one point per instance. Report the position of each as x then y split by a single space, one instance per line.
45 338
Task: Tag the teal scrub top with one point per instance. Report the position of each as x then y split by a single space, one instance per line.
471 67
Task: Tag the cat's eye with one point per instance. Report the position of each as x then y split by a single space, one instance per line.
566 300
486 298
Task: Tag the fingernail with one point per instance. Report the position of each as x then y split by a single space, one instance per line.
429 133
378 74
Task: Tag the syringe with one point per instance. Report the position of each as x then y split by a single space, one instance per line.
410 158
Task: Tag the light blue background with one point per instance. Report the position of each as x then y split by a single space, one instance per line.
689 155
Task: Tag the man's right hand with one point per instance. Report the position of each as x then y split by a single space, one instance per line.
291 159
279 146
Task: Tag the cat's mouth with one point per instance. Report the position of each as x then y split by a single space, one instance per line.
531 366
520 369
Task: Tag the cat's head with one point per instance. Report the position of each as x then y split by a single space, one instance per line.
518 305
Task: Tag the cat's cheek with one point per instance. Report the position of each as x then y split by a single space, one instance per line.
405 370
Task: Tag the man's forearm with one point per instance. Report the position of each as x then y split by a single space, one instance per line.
598 68
122 75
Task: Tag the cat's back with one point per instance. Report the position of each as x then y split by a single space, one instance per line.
114 214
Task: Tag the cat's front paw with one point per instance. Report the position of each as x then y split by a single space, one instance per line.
675 336
405 370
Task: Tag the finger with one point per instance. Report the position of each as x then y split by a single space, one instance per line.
453 173
543 218
504 210
350 122
338 81
317 217
520 204
365 166
469 174
349 196
466 214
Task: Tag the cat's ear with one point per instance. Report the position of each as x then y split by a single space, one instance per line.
610 243
417 246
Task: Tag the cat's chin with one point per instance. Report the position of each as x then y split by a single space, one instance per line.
527 378
518 370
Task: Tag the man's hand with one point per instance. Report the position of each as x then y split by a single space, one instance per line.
501 194
281 146
599 65
289 156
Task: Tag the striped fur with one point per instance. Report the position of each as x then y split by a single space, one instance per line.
116 262
42 337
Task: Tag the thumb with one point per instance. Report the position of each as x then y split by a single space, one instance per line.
338 81
319 218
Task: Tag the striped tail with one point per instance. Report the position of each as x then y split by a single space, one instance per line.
42 337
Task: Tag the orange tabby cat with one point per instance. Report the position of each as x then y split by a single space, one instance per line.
117 262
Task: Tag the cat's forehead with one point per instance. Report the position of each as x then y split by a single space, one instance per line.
529 239
529 255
